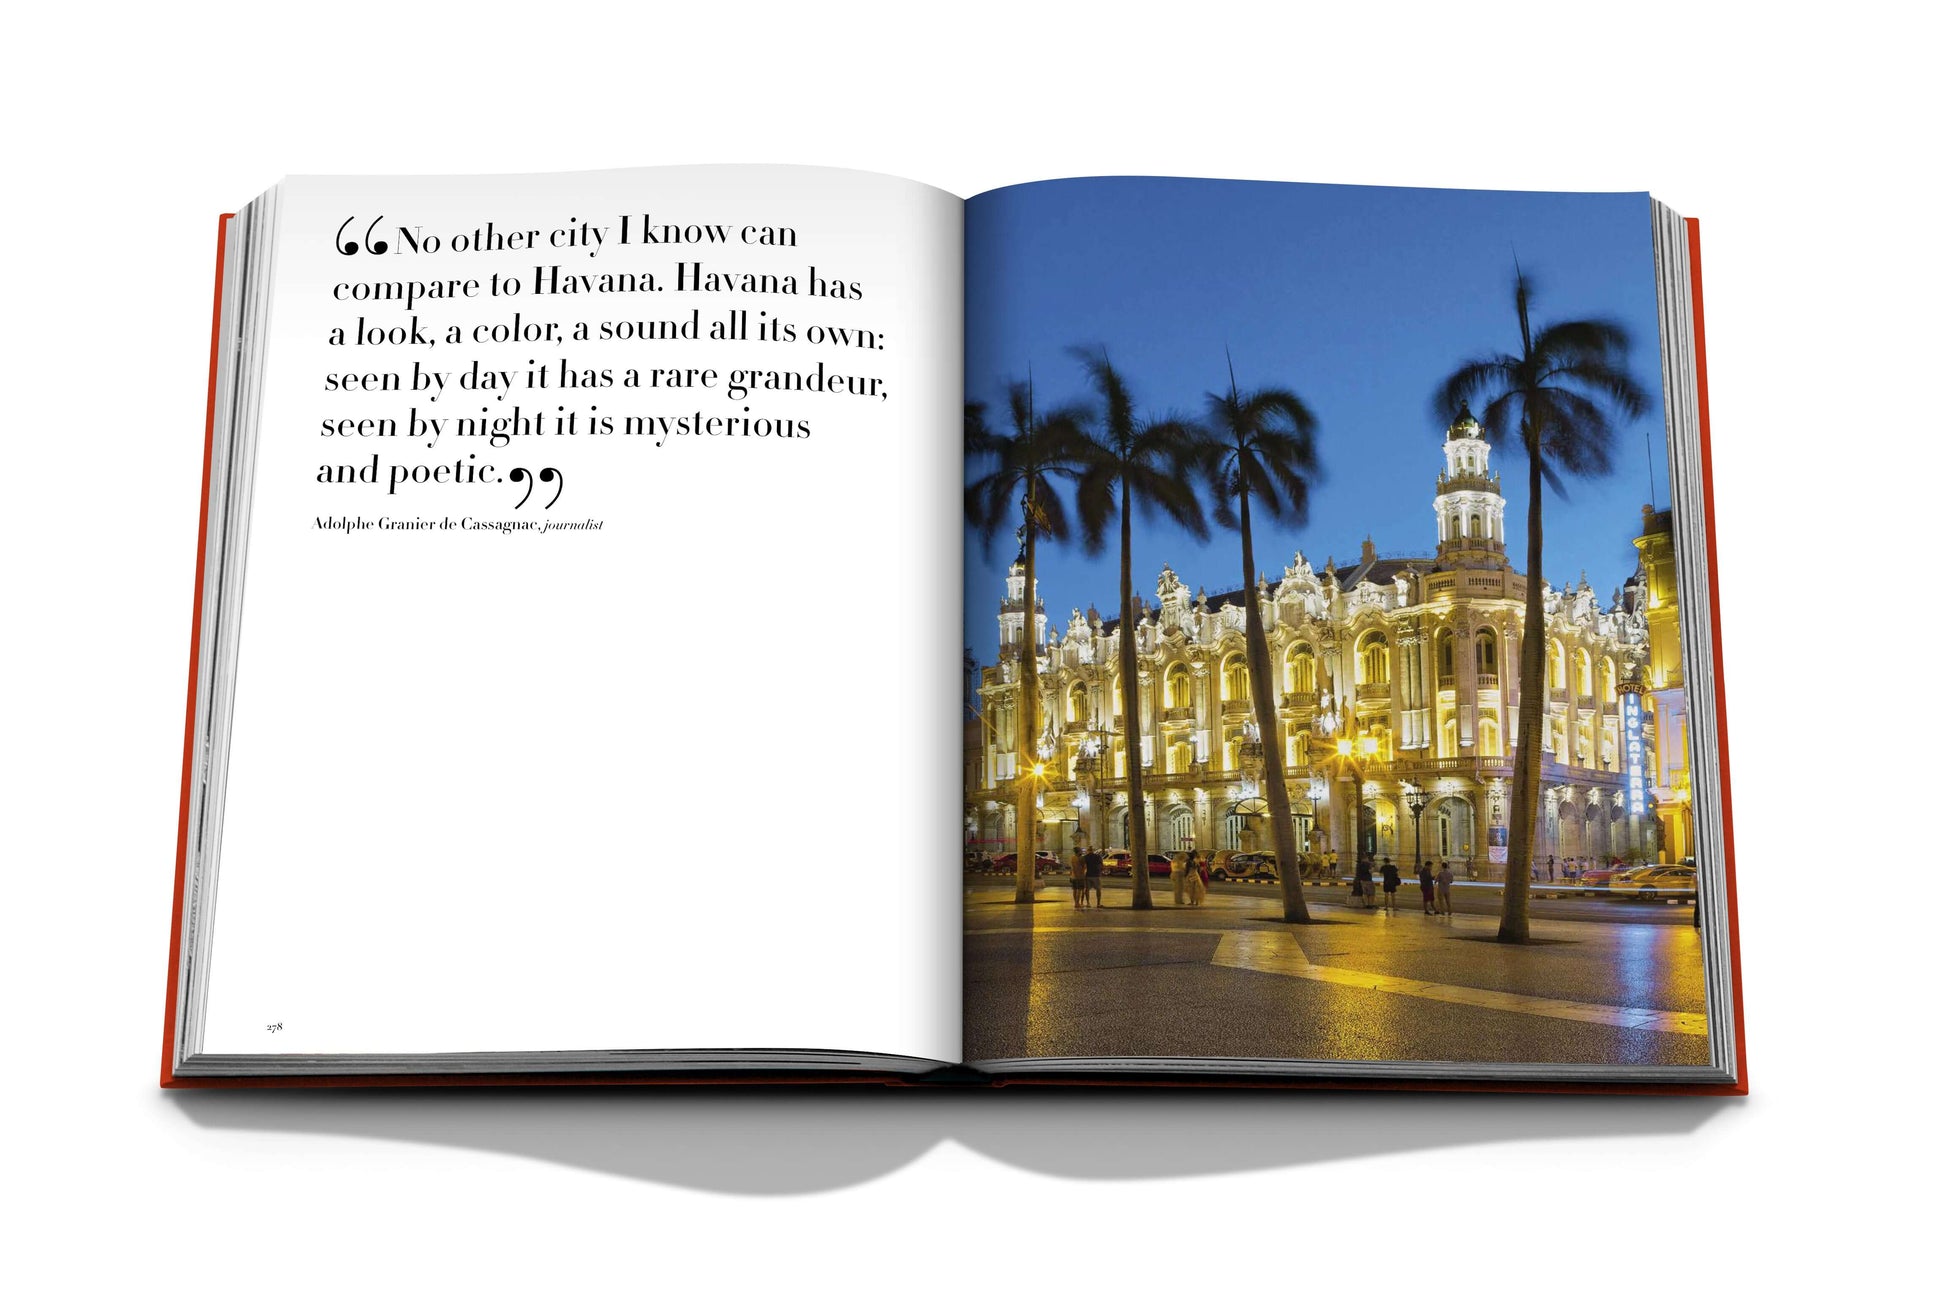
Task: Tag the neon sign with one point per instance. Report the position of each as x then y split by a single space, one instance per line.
1634 754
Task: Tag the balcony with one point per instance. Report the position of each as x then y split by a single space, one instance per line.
1178 715
1236 707
1422 770
1370 693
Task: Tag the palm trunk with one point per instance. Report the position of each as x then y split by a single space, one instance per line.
1026 830
1533 710
1290 877
1138 826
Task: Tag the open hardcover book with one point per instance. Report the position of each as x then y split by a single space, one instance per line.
769 623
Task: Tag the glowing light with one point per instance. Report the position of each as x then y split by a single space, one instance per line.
1634 754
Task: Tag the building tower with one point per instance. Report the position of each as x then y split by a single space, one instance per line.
1664 683
1013 612
1471 510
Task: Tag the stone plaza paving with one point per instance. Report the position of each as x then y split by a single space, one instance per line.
1228 979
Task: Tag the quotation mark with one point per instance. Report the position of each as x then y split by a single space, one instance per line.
350 246
546 475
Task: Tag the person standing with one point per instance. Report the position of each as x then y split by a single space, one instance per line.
1361 882
1550 869
1077 877
1426 886
1390 873
1444 881
1091 865
1198 880
1179 865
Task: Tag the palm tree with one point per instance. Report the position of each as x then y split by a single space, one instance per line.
1261 450
1559 394
1042 449
1137 464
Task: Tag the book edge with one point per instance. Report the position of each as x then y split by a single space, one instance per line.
172 997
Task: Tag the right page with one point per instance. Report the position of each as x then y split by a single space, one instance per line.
1326 637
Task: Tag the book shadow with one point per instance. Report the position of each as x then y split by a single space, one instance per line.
771 1141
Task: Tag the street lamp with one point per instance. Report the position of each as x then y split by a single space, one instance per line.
1349 751
1416 800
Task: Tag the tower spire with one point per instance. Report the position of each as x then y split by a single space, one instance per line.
1468 504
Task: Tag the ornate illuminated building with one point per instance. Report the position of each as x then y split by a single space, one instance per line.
1396 683
1662 686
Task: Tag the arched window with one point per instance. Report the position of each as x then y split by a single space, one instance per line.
1118 695
1175 686
1236 679
1383 733
1584 673
1077 702
1374 661
1488 737
1181 757
1557 665
1473 526
1445 659
1486 657
1608 680
1300 670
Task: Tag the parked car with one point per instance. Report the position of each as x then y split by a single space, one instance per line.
1656 881
1043 864
1120 863
1608 873
1244 864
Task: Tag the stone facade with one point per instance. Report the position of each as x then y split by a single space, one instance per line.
1396 682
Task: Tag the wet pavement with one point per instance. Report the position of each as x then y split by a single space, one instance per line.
1226 980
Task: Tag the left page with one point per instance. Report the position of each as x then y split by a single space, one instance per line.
602 553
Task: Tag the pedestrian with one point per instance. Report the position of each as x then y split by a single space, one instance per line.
1425 885
1091 866
1179 865
1078 877
1444 879
1550 869
1361 882
1390 873
1198 881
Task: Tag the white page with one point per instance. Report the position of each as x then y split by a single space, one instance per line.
686 781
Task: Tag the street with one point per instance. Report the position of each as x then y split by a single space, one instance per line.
1548 900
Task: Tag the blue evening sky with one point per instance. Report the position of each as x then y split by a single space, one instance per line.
1360 299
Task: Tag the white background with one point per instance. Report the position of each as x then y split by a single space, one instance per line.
1807 145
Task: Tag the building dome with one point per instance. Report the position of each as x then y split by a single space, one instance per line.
1464 426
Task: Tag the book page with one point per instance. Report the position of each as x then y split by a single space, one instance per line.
598 635
1363 778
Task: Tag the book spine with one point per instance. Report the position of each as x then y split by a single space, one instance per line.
171 998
